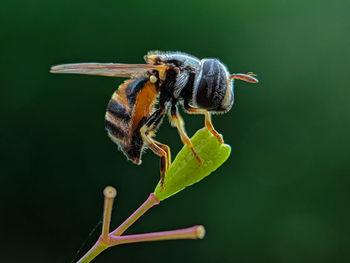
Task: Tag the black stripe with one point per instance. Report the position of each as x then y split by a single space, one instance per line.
187 91
133 89
136 142
115 130
154 117
162 164
157 122
118 110
174 111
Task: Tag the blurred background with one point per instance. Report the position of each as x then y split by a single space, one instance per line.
283 195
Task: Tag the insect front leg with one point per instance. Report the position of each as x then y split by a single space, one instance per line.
162 150
177 121
208 122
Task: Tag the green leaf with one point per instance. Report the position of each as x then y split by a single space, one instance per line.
185 169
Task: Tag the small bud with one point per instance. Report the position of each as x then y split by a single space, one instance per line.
200 232
185 169
110 192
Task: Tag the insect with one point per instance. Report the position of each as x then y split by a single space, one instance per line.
168 79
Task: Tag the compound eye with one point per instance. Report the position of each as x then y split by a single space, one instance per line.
211 85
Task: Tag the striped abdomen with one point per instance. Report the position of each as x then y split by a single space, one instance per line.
128 110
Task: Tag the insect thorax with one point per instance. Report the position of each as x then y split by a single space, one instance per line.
202 83
178 74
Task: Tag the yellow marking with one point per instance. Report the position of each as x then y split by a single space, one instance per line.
153 79
115 139
162 74
120 95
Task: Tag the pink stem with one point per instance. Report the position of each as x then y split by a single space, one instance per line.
194 232
151 201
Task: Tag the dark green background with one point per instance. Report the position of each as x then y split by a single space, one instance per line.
283 196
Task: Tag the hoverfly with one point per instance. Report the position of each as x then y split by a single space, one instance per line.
169 78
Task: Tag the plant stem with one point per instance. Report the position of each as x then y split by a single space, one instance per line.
105 239
94 251
109 193
194 232
102 243
151 201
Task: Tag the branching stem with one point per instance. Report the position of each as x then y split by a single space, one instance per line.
114 238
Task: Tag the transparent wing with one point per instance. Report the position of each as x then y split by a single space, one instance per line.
105 69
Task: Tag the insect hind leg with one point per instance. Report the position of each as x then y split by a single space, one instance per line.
166 149
162 150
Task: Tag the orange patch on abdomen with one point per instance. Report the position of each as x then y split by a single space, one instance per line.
144 105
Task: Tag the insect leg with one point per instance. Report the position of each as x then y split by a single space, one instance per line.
153 124
158 148
166 149
177 121
208 122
